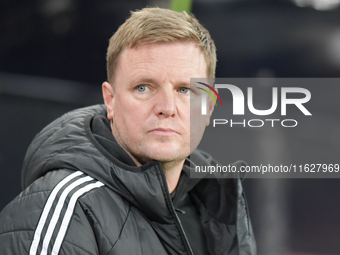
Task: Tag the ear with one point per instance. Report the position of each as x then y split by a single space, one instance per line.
211 107
108 95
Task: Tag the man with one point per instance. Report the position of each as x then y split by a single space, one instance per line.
114 179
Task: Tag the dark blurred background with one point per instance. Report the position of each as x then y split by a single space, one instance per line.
52 60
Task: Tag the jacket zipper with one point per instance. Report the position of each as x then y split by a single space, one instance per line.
173 211
184 235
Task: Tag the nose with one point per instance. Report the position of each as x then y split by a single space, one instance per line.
166 103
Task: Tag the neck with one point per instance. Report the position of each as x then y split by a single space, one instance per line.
172 172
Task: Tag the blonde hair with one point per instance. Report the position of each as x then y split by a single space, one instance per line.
151 25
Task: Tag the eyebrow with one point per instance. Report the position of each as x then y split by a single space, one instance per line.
146 80
150 80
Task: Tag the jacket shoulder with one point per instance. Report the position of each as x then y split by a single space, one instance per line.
52 211
20 217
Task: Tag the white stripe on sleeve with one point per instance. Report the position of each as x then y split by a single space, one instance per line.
69 213
57 211
46 210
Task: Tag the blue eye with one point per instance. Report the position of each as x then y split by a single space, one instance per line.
141 88
184 90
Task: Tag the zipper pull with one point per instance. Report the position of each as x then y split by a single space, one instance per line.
180 211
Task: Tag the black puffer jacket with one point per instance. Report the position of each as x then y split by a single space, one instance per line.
78 199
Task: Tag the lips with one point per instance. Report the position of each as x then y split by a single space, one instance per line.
163 131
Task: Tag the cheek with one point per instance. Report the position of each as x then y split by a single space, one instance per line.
121 113
198 123
196 117
129 116
186 116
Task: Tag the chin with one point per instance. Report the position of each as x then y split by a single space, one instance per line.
168 155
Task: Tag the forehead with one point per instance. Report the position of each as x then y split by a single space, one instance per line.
177 58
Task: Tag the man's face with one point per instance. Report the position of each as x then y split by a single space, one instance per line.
150 101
